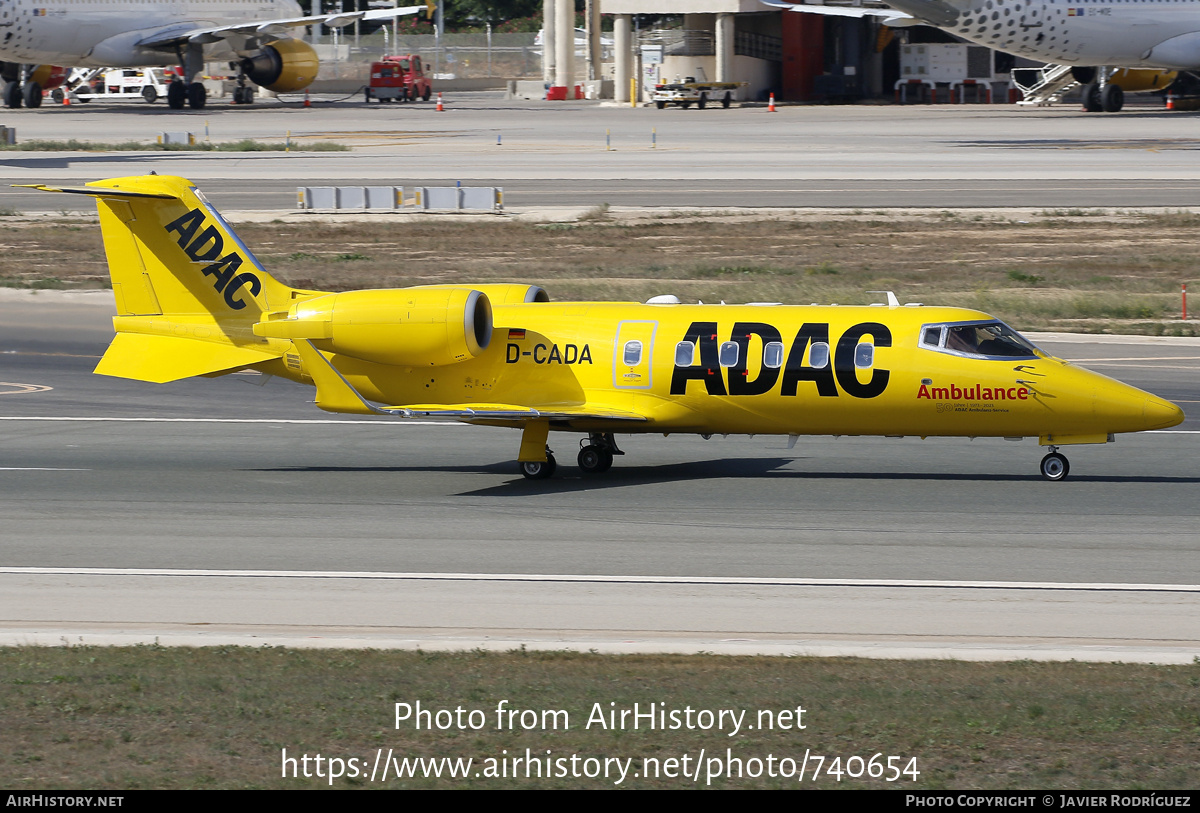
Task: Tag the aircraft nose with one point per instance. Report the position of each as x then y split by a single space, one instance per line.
1160 414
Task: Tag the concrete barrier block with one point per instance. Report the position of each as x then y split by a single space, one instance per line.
351 197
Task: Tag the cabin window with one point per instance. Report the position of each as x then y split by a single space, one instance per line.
931 336
633 353
818 355
685 354
864 355
773 355
729 354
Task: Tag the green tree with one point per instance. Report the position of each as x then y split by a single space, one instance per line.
477 12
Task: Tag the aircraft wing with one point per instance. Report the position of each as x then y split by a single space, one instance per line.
335 394
189 32
887 14
903 13
508 412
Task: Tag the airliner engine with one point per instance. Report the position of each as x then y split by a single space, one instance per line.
282 66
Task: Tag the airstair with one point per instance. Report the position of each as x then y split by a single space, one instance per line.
1046 85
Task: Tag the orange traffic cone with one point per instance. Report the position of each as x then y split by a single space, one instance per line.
440 108
307 101
1170 101
66 97
771 104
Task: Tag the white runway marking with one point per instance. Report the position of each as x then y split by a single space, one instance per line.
21 389
568 578
36 468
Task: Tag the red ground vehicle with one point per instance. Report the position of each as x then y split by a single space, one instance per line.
398 78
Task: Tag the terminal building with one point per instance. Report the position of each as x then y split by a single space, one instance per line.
796 56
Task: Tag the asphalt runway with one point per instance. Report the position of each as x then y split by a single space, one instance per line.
557 155
219 511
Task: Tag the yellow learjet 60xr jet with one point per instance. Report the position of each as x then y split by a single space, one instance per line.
193 300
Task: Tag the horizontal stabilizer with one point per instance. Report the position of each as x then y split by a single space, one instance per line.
94 191
149 357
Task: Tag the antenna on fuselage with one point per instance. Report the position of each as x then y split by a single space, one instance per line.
892 301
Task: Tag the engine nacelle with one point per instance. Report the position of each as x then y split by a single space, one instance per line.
49 76
407 327
282 66
502 293
1130 80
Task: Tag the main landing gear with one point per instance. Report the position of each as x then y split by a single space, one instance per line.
595 457
596 453
1054 465
192 94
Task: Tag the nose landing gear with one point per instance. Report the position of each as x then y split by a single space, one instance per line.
1054 466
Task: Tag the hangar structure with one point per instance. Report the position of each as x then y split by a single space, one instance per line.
798 57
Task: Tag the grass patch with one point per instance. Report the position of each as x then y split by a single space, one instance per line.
1020 276
1112 273
153 717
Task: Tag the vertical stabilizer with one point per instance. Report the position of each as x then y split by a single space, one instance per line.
187 289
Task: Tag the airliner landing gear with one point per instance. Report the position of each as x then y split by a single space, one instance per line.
1054 465
243 93
197 95
176 95
1112 98
596 453
539 471
12 94
32 93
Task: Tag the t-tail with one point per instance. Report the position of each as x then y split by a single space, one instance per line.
187 289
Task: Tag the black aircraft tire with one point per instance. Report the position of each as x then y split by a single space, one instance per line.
725 101
197 95
1112 98
595 459
703 102
1091 98
32 93
539 471
1055 467
176 95
12 94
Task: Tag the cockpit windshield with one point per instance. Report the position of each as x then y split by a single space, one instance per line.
994 340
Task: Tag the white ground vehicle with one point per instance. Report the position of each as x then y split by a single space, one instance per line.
685 94
120 84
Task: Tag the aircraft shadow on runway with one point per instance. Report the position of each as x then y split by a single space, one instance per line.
570 479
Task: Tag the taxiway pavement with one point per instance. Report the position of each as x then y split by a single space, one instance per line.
215 511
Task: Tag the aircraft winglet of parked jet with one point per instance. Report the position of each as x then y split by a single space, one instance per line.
193 300
253 35
1095 37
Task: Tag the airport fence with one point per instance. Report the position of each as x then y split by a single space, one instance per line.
454 56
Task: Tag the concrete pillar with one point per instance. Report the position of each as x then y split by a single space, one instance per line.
724 48
592 18
623 55
548 31
564 48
